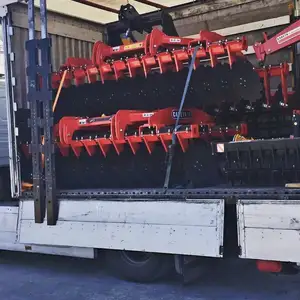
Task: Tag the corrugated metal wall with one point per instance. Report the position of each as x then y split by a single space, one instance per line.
226 13
70 37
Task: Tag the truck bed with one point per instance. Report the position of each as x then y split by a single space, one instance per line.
280 193
173 224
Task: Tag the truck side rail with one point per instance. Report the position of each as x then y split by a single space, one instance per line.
190 227
269 229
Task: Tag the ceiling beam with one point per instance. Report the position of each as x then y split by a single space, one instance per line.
96 5
151 3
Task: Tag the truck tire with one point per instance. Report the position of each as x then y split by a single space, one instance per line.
139 266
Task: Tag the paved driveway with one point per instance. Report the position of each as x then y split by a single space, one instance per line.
35 277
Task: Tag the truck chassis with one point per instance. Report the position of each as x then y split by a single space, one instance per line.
185 224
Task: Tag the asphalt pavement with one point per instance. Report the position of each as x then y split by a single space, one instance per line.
29 276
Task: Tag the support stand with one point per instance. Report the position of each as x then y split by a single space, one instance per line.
41 118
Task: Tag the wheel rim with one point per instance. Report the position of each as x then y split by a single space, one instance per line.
136 257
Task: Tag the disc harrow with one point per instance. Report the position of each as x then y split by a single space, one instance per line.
157 52
116 113
150 74
135 128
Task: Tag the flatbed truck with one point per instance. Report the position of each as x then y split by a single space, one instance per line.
145 233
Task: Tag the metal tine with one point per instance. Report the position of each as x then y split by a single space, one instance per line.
90 146
230 55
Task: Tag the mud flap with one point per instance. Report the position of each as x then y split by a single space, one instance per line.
189 268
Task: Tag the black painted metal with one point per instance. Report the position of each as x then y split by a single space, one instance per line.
46 71
141 23
50 181
262 193
41 118
296 123
34 97
272 162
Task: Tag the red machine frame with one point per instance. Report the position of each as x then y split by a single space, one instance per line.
149 128
285 38
157 52
162 53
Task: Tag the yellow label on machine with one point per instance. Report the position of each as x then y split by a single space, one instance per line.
126 41
133 46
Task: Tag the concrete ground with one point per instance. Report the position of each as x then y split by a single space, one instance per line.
29 276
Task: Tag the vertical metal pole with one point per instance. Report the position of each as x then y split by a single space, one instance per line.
50 178
296 8
31 20
35 118
44 28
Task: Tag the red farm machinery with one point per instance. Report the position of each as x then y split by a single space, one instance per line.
123 117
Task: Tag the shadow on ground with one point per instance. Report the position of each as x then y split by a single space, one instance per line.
30 276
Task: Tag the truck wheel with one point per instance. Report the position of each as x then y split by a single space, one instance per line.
139 266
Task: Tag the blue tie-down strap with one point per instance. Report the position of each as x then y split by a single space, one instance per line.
172 146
